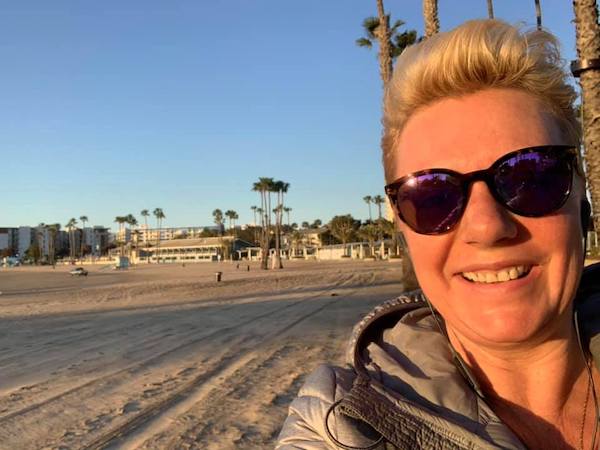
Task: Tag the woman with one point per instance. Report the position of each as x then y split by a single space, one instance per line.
500 348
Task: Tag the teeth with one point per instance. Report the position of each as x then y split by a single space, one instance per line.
489 276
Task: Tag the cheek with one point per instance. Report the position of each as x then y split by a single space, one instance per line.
429 255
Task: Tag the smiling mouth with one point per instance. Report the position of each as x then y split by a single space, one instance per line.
497 276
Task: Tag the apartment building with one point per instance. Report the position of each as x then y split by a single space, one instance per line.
8 239
150 235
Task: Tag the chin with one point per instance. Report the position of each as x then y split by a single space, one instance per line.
508 328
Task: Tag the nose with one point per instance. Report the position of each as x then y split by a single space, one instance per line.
485 222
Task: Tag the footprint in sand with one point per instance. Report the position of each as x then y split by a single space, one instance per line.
129 407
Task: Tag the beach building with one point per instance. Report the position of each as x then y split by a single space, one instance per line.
124 235
150 235
25 237
8 239
95 240
190 250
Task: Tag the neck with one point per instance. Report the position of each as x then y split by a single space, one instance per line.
538 389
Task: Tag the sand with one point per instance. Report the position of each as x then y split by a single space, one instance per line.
159 357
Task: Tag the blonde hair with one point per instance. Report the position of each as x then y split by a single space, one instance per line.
477 55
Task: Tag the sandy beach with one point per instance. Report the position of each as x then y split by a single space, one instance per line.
159 357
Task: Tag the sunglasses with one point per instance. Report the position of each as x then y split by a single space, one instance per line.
530 182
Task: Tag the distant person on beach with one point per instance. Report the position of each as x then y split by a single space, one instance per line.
501 347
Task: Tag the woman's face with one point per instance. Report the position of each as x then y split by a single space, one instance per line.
470 133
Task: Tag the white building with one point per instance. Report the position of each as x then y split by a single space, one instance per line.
143 235
95 240
191 250
25 236
8 238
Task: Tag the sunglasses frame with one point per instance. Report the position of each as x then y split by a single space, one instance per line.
567 152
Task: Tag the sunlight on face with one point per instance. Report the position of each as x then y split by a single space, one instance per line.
466 134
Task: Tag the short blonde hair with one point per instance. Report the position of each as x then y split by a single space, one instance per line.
478 54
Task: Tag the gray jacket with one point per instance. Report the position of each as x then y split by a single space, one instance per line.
404 388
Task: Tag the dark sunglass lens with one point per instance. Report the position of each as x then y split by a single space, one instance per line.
535 183
431 203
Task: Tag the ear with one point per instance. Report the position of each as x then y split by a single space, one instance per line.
585 212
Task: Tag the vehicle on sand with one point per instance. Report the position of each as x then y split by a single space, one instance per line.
79 271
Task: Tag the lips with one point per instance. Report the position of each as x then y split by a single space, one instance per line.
508 273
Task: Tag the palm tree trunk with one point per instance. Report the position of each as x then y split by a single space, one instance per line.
277 260
430 16
538 14
490 6
385 54
146 240
264 260
588 70
82 238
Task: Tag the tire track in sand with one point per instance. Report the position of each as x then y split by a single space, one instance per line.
157 417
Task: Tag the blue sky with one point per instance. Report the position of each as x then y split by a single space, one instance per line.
115 106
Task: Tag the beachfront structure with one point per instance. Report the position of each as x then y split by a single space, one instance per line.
95 240
310 237
25 237
190 250
18 240
143 235
8 239
123 235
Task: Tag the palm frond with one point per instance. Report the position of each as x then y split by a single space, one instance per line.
364 42
370 25
397 24
401 41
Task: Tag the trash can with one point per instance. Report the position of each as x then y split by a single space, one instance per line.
218 276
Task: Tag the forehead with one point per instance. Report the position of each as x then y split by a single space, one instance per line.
470 132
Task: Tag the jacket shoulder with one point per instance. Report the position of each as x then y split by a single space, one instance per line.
305 427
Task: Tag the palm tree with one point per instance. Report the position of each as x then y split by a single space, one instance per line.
132 222
160 215
254 208
53 231
39 234
587 68
229 214
391 42
83 219
378 200
71 229
264 186
395 45
305 225
281 188
218 219
260 212
287 210
145 214
235 217
430 16
490 7
121 221
538 14
368 199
